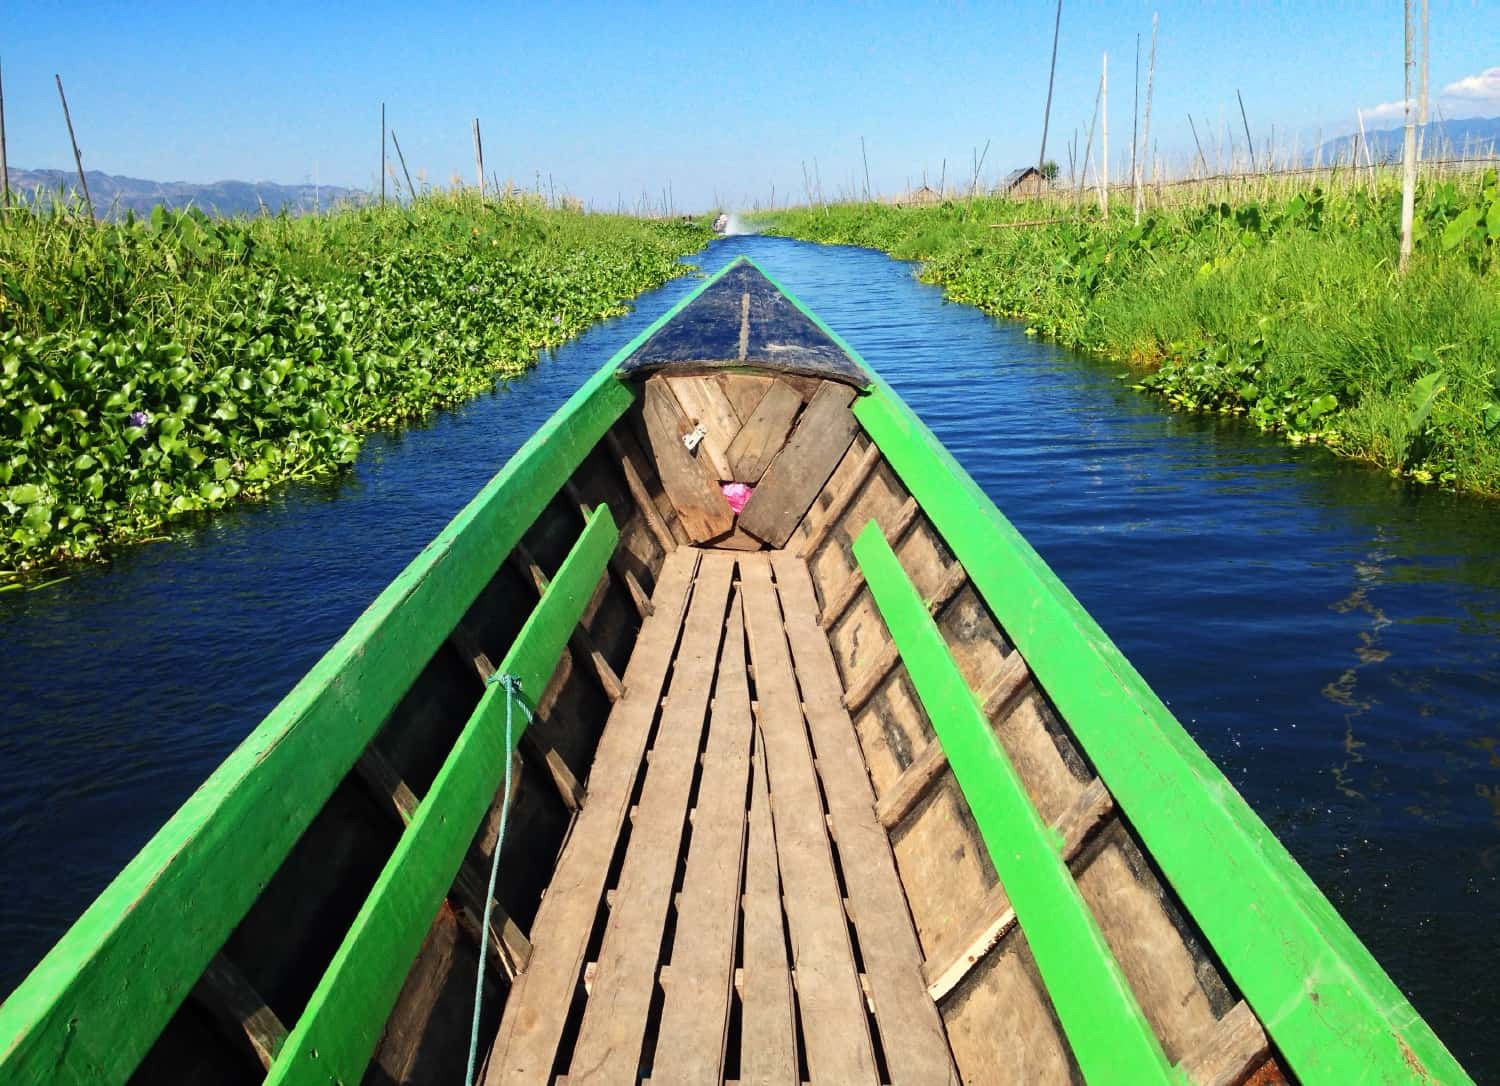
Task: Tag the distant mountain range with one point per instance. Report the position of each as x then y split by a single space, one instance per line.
1444 139
114 195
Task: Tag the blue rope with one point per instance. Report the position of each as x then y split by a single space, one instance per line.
513 696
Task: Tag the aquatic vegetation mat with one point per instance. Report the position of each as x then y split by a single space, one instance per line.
157 367
1270 301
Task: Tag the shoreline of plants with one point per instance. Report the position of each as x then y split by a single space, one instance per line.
1286 309
158 367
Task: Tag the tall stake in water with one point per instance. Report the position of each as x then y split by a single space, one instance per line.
412 189
1246 122
77 156
1422 106
1104 137
1408 157
1135 123
479 158
1146 132
1202 162
4 164
1041 158
1088 148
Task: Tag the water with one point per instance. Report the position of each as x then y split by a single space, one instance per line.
1330 636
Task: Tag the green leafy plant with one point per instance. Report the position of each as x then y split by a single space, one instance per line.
152 368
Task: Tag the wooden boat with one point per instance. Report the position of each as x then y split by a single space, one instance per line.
843 787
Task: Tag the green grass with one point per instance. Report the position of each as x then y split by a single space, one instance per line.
1286 308
149 369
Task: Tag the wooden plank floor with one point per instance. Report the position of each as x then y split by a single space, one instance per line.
727 908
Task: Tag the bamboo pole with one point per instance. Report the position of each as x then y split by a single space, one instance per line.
1041 158
77 156
1203 162
4 162
1146 128
1421 138
1104 137
1364 142
1408 157
402 159
1088 148
1135 122
382 154
1422 108
1246 122
479 158
866 160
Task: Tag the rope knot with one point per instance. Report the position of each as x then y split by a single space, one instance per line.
511 683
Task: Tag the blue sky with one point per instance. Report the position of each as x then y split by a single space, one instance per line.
615 101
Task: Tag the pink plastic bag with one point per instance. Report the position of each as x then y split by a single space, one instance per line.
736 494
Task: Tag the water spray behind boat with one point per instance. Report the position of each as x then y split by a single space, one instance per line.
731 223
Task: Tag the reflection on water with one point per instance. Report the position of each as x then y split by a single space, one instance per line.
1330 636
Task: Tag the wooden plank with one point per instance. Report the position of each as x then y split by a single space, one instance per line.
534 750
916 1048
1104 1023
617 560
536 1011
840 600
695 1016
841 504
1254 904
928 766
506 939
704 404
214 857
912 785
238 1008
768 1028
744 391
693 490
613 1029
581 641
1229 1051
993 918
739 540
638 492
786 491
835 1029
343 1018
875 672
764 433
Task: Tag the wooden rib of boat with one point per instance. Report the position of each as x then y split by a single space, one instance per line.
843 787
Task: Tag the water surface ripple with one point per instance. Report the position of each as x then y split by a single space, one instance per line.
1330 636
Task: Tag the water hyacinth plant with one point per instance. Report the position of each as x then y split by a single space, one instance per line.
152 368
1283 307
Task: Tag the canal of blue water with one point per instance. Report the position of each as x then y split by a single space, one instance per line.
1330 636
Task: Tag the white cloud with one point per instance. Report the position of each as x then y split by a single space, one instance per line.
1473 95
1386 111
1482 87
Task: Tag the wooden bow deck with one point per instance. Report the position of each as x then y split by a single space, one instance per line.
727 906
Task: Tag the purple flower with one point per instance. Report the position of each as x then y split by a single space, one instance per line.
139 419
557 321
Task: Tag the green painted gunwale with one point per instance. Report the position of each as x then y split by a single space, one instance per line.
1330 1008
1105 1026
147 938
337 1032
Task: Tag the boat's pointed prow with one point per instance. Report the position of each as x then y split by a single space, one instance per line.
741 319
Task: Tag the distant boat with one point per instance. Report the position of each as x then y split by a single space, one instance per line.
721 224
830 780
